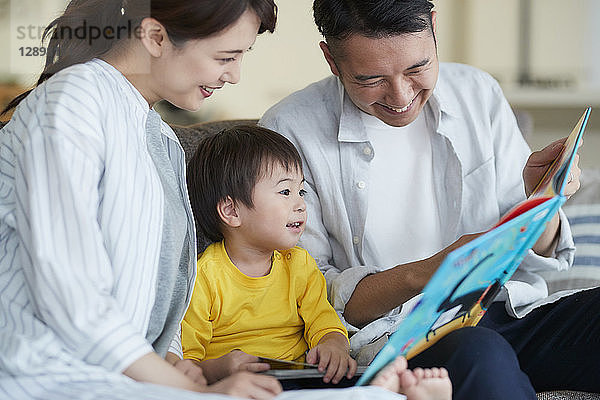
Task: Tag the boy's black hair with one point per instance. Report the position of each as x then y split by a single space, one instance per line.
339 19
230 163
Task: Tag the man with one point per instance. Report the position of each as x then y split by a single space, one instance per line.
404 161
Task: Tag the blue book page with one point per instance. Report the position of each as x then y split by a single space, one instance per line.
464 277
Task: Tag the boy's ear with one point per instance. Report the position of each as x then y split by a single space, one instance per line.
228 213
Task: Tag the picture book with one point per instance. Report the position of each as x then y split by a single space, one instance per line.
285 369
470 277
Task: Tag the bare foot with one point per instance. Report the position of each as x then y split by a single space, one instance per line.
389 377
426 384
419 384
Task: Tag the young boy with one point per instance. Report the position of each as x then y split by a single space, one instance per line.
256 295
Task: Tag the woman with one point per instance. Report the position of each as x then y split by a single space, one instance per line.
97 236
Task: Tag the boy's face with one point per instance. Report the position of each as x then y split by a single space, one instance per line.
279 215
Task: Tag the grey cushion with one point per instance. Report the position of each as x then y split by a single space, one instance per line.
190 136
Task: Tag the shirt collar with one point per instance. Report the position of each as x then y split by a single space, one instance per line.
126 87
440 102
134 94
352 128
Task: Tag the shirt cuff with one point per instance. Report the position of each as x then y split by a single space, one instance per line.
564 252
341 285
315 339
565 247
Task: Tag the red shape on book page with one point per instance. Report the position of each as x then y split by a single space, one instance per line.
521 208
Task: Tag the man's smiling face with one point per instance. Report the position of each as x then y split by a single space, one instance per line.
390 78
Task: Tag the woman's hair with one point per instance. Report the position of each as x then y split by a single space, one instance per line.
339 19
90 28
230 164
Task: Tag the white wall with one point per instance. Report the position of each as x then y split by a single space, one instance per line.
591 43
492 37
21 24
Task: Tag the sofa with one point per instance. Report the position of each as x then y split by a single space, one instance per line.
582 209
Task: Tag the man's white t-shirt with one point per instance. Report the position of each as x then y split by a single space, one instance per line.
403 222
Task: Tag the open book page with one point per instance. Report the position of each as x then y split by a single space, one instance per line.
554 180
285 369
276 363
469 278
306 373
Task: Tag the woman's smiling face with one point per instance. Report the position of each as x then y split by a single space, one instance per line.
187 75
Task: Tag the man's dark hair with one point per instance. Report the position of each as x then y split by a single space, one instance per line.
230 163
339 19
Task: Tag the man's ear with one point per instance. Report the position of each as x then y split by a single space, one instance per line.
434 22
228 213
327 53
153 36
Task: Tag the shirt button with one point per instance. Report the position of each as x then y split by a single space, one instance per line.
361 185
367 150
355 240
288 255
278 256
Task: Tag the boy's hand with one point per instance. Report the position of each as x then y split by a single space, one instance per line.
230 363
192 370
248 385
238 361
189 367
331 353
